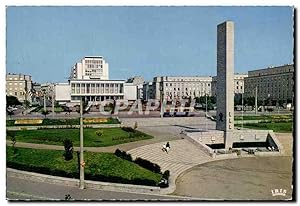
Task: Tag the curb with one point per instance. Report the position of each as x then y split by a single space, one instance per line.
117 187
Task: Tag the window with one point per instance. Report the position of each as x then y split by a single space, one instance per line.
72 88
237 87
82 88
241 87
77 88
88 88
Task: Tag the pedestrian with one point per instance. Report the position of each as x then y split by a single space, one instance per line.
166 147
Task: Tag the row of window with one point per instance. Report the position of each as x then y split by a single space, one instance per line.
10 83
92 88
187 93
16 93
92 66
16 78
182 84
88 61
16 88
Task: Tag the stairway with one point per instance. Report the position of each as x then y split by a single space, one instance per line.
183 155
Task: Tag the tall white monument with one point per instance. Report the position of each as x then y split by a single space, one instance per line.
225 81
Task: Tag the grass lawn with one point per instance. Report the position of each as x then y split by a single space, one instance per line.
276 127
99 166
265 117
111 136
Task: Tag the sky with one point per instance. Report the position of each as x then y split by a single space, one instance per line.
45 42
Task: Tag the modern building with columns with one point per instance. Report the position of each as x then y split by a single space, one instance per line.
89 79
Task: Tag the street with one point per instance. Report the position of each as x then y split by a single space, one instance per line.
19 189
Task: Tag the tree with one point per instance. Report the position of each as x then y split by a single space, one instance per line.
68 145
26 103
45 112
14 141
12 101
10 112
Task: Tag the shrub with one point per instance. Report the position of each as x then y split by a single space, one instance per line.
148 165
68 154
99 132
166 174
128 129
164 182
123 155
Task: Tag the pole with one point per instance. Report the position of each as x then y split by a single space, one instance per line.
256 100
161 103
242 111
205 111
45 101
53 102
81 184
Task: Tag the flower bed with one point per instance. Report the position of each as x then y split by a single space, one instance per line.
28 121
94 120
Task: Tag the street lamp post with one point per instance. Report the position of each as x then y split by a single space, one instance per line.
161 101
242 111
205 111
44 92
256 100
82 164
52 101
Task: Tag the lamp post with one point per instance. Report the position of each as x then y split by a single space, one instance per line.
44 93
256 100
161 101
242 111
205 111
52 101
82 164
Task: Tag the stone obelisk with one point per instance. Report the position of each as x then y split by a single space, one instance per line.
225 81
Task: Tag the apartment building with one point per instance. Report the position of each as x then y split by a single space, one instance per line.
273 83
178 87
20 86
239 84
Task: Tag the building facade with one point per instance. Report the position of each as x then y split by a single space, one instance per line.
138 81
20 86
148 92
89 80
96 90
273 83
177 87
90 67
239 84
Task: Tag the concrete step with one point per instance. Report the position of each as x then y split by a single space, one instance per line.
182 155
